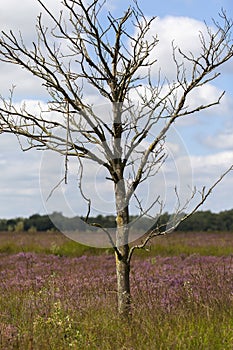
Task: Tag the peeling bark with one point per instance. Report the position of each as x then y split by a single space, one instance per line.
123 283
122 233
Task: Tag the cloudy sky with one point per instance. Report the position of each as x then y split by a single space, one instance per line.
206 140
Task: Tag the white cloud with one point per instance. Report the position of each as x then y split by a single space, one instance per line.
19 188
206 171
183 32
15 16
201 96
22 16
22 22
19 185
25 84
217 161
221 140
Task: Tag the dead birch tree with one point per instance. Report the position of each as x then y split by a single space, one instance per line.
111 56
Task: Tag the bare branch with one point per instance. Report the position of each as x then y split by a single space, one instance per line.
171 226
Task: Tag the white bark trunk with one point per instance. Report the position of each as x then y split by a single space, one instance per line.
122 263
123 284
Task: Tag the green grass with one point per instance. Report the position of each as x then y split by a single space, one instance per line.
100 328
175 331
44 242
217 244
177 243
182 249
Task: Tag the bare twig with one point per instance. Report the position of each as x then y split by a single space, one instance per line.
157 231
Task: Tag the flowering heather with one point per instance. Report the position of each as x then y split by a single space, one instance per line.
173 280
52 302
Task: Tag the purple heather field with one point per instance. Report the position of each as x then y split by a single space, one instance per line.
55 294
160 280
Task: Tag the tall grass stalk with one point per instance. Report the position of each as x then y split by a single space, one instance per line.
52 302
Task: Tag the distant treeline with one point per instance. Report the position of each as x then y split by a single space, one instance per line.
200 221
